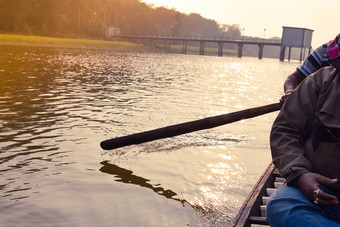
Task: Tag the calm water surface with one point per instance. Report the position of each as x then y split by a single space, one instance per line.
57 105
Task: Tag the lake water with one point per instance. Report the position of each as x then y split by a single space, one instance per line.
57 105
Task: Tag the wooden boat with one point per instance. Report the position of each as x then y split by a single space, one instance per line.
253 211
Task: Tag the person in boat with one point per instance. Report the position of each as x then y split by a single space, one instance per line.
316 60
305 147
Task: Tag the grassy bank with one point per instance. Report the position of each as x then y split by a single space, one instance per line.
30 40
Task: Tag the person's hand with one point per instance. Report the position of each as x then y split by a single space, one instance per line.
285 96
309 184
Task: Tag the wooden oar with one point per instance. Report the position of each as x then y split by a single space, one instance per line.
191 126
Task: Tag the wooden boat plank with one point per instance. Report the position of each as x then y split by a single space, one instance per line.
250 212
257 225
258 220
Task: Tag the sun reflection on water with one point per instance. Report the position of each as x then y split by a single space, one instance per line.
56 105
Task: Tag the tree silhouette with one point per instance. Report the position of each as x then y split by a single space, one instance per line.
90 18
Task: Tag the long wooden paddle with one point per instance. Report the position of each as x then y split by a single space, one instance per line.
191 126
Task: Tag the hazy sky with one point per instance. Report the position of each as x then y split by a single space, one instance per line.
256 15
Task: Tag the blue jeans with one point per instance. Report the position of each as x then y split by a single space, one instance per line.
290 207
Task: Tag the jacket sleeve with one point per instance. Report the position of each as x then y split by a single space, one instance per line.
293 125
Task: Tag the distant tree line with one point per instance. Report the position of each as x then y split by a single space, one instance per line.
90 18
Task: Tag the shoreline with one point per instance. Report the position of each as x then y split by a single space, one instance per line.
24 44
42 41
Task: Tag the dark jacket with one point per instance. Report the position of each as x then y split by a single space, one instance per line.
305 136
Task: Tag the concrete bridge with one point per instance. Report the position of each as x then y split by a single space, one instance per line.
219 42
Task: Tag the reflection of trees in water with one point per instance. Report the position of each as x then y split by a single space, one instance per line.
36 98
26 78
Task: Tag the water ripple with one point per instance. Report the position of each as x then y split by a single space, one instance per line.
57 104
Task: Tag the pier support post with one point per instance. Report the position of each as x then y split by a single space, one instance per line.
261 51
201 48
184 48
168 46
282 53
240 47
304 53
220 49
